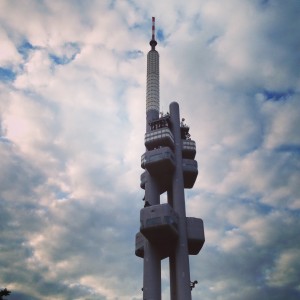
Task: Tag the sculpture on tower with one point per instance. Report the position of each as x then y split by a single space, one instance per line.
169 167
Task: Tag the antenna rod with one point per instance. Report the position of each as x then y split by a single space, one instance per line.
153 28
153 42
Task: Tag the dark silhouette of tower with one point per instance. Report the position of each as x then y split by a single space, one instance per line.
170 166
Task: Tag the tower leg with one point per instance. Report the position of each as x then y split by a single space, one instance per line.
172 268
152 273
152 262
180 261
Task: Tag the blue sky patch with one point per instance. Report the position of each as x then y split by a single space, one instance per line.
25 48
277 96
7 74
264 2
112 4
59 60
71 50
61 196
212 39
289 148
160 35
133 54
135 26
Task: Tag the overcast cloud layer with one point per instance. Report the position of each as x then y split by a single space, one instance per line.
72 121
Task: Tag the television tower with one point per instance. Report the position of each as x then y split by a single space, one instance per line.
169 166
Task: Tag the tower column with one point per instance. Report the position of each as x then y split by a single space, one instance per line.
152 262
179 261
152 273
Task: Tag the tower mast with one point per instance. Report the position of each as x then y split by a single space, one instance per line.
152 261
152 93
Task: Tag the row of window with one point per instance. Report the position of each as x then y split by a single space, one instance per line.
189 145
159 133
159 221
159 137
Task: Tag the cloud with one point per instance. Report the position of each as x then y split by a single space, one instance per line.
285 272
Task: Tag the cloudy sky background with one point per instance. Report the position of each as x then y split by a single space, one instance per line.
72 122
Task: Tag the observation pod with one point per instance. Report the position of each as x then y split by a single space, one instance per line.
188 149
163 181
164 251
195 235
159 225
189 164
190 172
159 161
159 138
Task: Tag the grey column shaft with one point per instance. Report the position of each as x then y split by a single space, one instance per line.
172 264
180 261
152 263
172 269
152 274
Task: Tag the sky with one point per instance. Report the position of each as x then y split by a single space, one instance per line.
72 124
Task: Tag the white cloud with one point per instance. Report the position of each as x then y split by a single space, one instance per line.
283 121
9 56
286 270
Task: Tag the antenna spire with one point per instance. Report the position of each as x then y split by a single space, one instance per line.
153 42
153 28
